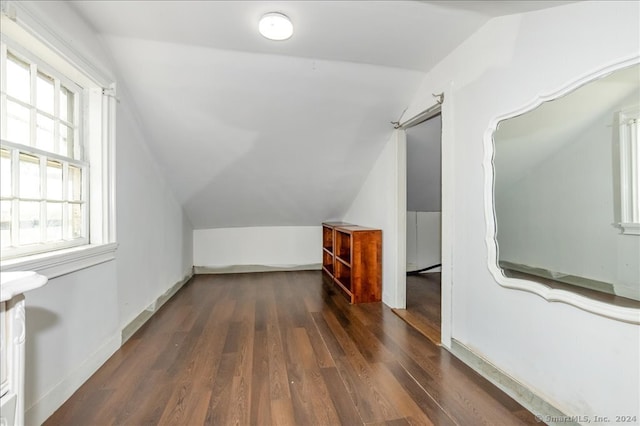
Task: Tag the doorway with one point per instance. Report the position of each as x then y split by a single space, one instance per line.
423 227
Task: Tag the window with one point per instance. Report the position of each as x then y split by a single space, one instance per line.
44 176
57 129
629 126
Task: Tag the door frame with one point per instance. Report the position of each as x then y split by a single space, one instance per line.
447 212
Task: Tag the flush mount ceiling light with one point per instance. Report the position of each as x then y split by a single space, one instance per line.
275 26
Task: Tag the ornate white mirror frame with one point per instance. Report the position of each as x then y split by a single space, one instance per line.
625 314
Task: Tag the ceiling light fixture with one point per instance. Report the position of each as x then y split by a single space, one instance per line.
275 26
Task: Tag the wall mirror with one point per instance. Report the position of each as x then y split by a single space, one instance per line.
564 181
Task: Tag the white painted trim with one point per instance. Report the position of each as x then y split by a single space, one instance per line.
629 315
31 29
135 324
516 390
401 219
238 269
630 228
62 262
447 216
26 17
629 164
445 109
56 396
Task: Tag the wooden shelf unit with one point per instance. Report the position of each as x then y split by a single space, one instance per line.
352 257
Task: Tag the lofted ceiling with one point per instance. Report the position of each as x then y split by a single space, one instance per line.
252 132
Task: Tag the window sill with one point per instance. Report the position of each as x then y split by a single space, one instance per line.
61 262
629 228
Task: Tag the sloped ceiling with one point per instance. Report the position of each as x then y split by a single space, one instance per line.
251 132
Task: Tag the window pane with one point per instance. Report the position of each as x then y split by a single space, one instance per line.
54 221
17 123
29 222
5 223
18 80
6 179
54 180
74 190
44 133
44 93
66 104
75 220
66 141
29 176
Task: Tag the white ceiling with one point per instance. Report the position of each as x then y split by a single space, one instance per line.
251 132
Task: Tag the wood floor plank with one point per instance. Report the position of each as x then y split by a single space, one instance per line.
313 381
284 349
419 322
400 398
427 402
221 392
345 408
182 403
278 376
149 386
148 411
328 338
282 412
297 356
372 405
423 310
320 349
260 391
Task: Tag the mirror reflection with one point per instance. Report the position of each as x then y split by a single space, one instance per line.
566 187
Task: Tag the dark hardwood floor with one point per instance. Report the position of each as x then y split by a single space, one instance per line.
423 305
282 348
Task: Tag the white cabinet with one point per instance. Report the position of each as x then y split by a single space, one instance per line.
12 342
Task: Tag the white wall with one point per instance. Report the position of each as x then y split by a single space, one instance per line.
560 215
155 237
74 322
276 246
423 240
381 203
581 363
423 166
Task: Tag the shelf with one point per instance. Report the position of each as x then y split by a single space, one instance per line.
345 291
327 238
344 262
327 261
343 246
343 275
328 269
352 257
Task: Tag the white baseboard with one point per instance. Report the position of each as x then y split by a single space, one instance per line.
516 390
55 397
133 326
237 269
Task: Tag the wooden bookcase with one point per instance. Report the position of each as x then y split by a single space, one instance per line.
352 257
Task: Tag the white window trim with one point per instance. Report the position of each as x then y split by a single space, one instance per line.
21 25
629 171
17 251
